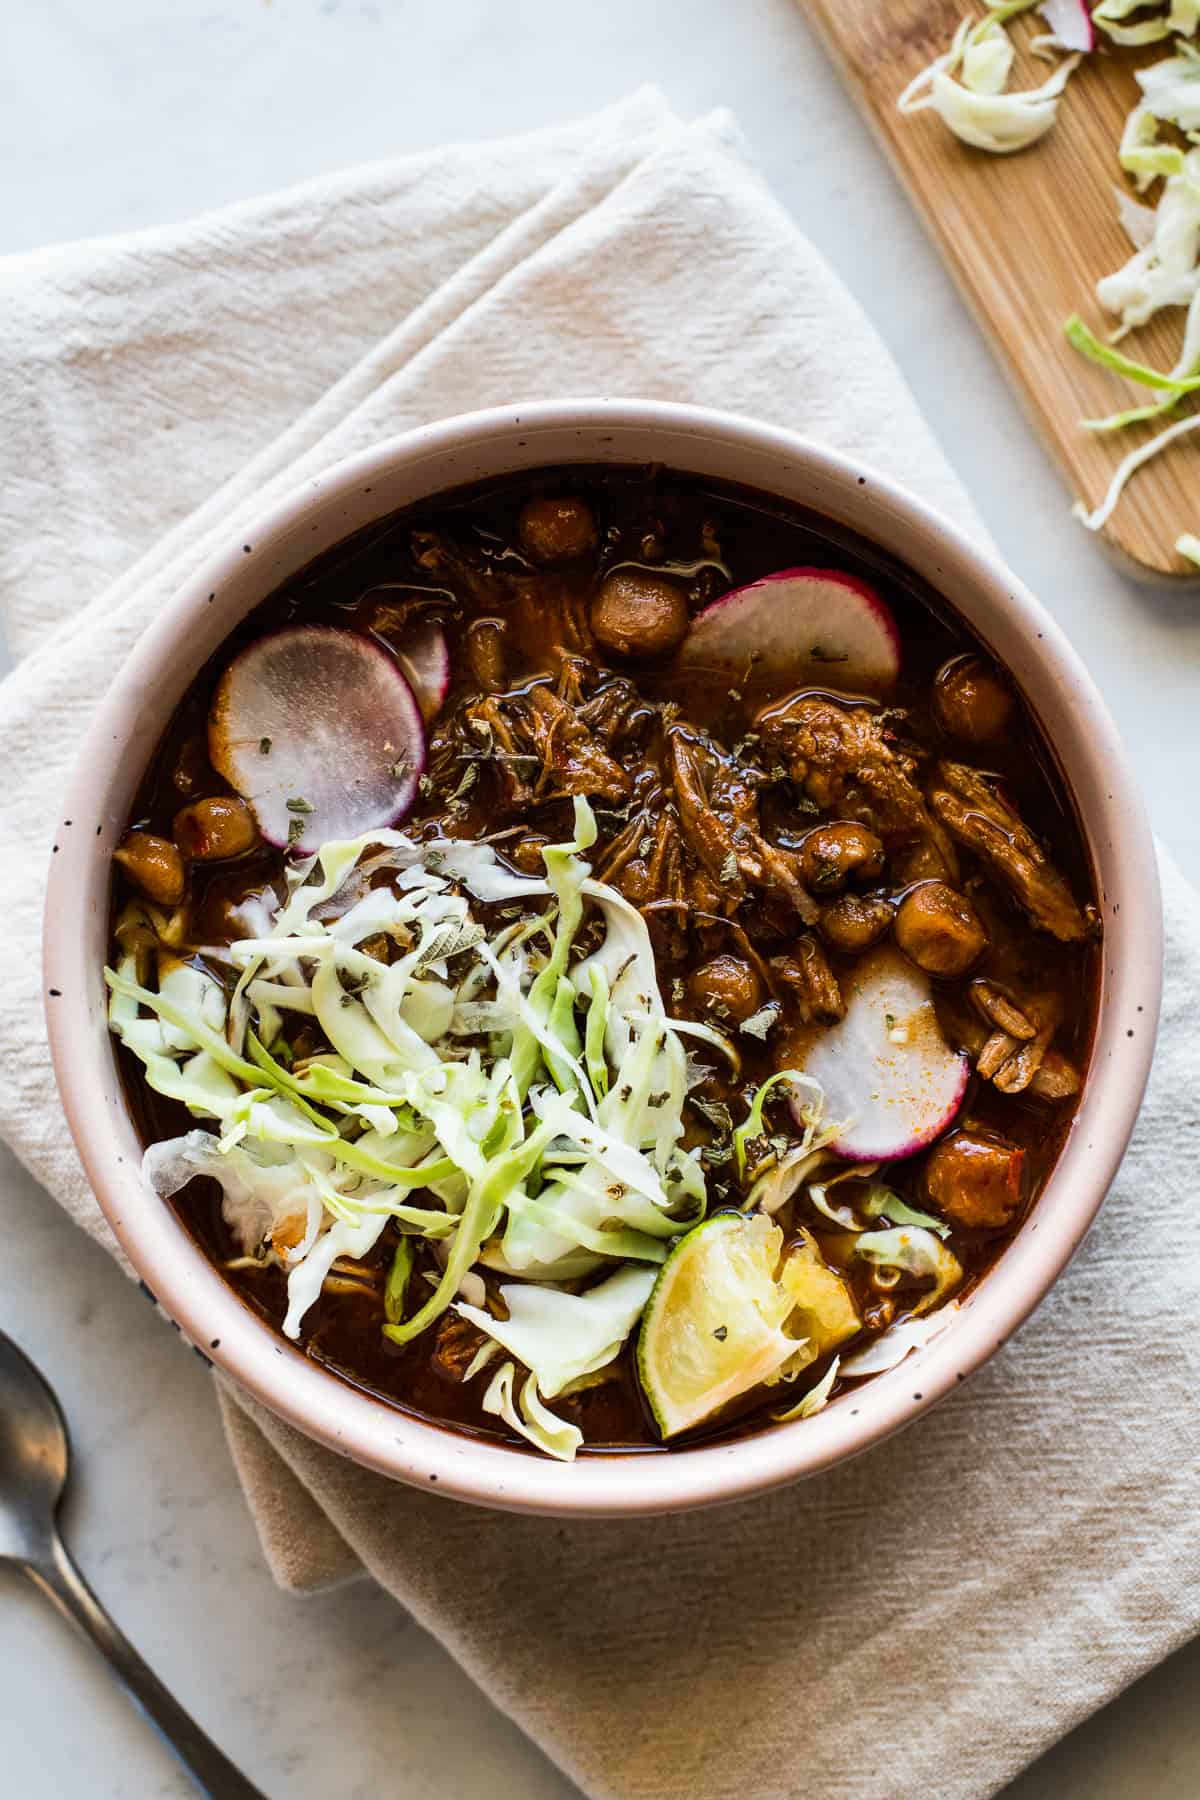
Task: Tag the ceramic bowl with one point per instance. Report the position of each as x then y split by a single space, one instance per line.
412 468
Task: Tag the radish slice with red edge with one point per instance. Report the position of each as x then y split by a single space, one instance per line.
886 1069
320 732
1070 23
810 627
425 661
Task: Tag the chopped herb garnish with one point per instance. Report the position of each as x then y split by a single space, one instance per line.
729 869
425 786
716 1112
297 804
760 1023
714 1156
396 1285
720 1332
470 776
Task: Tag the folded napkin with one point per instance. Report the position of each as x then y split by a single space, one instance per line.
923 1620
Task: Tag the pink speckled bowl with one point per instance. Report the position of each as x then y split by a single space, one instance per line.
412 468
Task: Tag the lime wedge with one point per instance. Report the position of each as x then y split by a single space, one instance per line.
825 1311
712 1328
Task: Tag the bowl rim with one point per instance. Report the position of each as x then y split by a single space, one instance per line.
422 1453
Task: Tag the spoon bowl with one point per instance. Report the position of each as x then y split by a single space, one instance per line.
34 1456
35 1459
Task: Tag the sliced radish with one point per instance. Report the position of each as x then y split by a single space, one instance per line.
1070 23
425 660
319 731
807 626
886 1068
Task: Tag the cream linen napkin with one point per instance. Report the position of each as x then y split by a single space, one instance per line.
926 1619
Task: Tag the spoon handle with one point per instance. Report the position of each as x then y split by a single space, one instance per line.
210 1769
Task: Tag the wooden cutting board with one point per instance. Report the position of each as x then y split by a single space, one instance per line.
1026 238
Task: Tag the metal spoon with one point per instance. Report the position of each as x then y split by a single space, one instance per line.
34 1454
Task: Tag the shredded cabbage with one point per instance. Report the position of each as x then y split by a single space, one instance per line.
1171 88
1173 386
1141 155
1001 123
816 1399
878 1202
913 1250
752 1129
1128 468
841 1216
560 1336
977 109
1164 271
881 1202
1110 16
775 1188
396 1287
1136 218
508 1104
1089 345
894 1344
534 1421
987 60
264 1190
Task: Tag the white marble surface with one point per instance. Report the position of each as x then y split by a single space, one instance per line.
133 113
